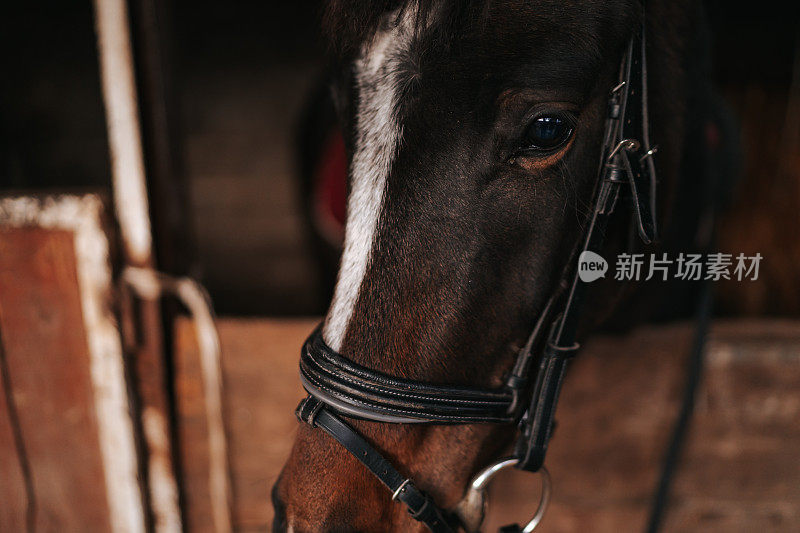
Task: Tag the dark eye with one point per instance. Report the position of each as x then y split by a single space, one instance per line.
547 132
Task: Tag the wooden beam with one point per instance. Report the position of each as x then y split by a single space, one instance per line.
132 210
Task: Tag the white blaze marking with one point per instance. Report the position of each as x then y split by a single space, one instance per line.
378 134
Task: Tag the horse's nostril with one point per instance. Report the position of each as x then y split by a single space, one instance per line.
279 522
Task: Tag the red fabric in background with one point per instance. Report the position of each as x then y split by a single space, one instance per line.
330 186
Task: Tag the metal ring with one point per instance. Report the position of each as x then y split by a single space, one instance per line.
544 501
474 503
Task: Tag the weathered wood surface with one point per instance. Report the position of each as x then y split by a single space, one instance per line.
132 209
261 386
741 471
67 448
13 484
47 360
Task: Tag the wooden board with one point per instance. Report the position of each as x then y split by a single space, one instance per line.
49 372
14 480
261 390
741 471
65 411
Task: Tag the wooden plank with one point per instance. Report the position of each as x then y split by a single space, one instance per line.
266 383
743 469
49 371
740 473
151 285
13 490
259 365
192 431
65 364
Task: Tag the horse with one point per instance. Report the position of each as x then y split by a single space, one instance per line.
473 132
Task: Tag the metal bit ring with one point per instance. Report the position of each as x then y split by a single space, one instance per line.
472 508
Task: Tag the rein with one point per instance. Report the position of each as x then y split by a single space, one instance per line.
338 387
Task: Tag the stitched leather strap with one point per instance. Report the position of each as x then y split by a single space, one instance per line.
359 392
537 425
626 158
420 506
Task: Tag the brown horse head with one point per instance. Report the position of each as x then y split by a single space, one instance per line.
473 132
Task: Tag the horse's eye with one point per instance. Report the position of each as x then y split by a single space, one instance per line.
547 132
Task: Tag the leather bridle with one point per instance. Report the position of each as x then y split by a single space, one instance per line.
338 387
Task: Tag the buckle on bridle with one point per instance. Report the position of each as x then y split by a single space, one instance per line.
630 145
396 493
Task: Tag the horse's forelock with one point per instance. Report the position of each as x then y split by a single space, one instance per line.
347 23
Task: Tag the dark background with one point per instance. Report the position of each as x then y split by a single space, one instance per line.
239 74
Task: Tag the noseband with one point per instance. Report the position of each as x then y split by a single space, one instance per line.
338 387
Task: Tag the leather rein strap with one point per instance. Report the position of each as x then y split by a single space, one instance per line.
339 387
420 506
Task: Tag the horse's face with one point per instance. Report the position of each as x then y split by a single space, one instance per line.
474 136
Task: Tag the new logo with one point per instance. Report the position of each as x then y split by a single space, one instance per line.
591 266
